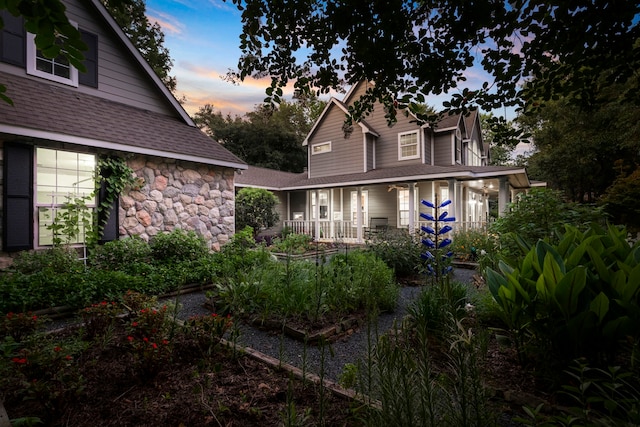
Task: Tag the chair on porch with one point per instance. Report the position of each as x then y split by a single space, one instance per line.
377 225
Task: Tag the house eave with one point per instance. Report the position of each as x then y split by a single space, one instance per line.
107 145
461 175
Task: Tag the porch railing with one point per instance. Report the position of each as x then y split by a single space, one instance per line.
337 230
328 229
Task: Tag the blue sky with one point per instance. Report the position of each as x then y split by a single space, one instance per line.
203 38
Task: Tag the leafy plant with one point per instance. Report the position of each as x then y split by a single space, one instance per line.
398 249
255 207
179 245
541 214
120 254
53 260
73 222
577 298
292 244
207 331
473 244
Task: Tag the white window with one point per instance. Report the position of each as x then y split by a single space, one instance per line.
403 206
408 147
61 177
323 196
56 69
444 194
458 142
364 203
323 147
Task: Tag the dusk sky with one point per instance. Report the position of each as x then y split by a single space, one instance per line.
203 37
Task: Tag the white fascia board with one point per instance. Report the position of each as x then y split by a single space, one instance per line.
264 187
142 62
96 143
445 129
465 175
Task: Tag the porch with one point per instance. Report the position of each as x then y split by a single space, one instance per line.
347 231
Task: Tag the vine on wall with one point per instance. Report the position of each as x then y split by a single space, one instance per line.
112 177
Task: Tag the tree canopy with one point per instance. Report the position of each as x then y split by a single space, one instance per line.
582 152
266 137
412 49
146 36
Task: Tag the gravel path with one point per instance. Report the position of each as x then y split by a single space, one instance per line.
345 350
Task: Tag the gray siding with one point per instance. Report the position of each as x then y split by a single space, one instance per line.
387 142
442 150
119 77
346 154
371 155
426 144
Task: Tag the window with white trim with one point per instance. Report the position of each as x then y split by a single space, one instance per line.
323 197
458 143
61 176
56 69
408 145
323 147
403 206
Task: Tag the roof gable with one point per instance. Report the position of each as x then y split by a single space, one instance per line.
136 56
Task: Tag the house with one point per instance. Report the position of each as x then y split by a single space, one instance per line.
374 176
64 121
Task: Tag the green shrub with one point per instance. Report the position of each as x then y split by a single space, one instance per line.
577 298
471 245
301 288
541 214
179 245
398 250
56 259
292 244
255 208
119 254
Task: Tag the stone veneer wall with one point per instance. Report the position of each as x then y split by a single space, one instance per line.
179 195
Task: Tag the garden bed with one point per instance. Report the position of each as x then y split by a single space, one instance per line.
128 373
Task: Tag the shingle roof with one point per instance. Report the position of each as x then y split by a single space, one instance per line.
277 180
50 111
267 178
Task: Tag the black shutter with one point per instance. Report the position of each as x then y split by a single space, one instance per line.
89 77
18 197
111 227
12 40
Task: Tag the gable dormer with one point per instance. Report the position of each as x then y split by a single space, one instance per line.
115 70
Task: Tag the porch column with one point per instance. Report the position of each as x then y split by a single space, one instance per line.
456 200
503 196
359 234
332 230
316 210
412 208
